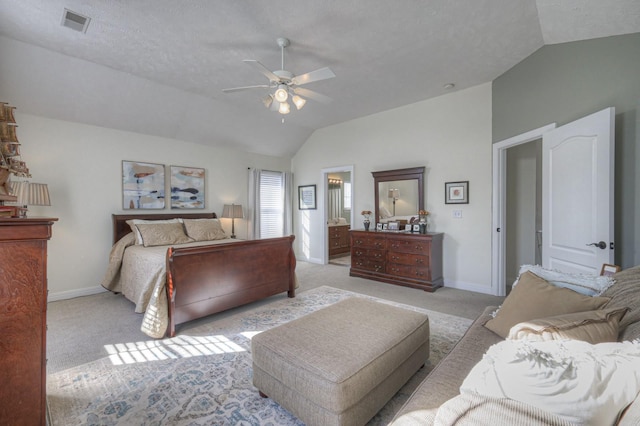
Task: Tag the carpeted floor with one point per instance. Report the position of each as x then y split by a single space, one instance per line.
203 376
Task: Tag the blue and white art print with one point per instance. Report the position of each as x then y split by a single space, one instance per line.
142 185
187 188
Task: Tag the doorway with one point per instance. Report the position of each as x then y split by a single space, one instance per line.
338 187
499 239
523 208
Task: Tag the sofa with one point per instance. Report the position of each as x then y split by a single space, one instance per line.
446 396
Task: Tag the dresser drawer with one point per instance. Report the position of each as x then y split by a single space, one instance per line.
369 242
408 259
367 264
414 272
371 254
409 246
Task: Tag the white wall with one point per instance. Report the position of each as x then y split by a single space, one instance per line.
450 136
82 165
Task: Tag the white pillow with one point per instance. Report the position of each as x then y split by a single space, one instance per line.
589 285
583 383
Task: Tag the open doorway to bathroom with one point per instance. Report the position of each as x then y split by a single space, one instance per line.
338 183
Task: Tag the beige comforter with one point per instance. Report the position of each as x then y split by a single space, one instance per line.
139 273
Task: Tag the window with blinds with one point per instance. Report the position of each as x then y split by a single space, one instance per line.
271 204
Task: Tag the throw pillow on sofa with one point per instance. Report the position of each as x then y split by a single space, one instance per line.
535 298
583 383
594 327
587 284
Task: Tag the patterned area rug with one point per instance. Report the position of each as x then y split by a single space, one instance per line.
204 376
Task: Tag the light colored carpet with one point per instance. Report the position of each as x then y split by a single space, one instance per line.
203 376
79 329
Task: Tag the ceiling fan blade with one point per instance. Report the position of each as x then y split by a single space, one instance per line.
312 95
237 89
262 69
310 77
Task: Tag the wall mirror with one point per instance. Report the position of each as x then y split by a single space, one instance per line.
398 193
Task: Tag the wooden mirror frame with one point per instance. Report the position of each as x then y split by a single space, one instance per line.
399 174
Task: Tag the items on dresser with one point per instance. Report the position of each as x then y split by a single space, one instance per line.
412 260
23 307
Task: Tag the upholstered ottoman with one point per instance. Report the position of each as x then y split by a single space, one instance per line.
341 364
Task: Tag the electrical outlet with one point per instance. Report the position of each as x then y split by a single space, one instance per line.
457 214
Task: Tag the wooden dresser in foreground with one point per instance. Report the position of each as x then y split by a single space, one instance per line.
23 323
412 260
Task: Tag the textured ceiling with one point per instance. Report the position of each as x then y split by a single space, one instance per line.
158 67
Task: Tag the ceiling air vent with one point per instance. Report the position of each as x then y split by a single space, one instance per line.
75 21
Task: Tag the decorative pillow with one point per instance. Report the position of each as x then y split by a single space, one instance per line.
590 285
133 222
204 229
535 298
590 326
626 292
583 383
162 234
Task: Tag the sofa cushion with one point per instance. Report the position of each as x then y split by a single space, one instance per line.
584 383
626 293
443 382
534 298
590 326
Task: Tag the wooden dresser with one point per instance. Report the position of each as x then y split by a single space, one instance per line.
23 324
412 260
338 239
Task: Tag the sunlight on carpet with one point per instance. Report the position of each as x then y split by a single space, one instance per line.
204 376
177 347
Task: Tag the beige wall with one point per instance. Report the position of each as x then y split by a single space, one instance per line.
82 165
450 136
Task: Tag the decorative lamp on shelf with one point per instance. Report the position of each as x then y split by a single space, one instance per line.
30 194
232 211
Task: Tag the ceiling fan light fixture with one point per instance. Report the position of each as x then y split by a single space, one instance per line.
298 102
281 94
284 108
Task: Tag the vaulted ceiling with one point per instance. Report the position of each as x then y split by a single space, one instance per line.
158 67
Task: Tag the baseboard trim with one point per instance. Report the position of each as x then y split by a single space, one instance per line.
70 294
460 285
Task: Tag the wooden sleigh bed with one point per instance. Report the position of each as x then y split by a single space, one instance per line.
207 279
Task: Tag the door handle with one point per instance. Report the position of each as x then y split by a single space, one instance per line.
601 245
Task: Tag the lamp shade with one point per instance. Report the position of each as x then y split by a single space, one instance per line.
31 194
394 193
233 211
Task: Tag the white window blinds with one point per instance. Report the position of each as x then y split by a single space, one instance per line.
271 204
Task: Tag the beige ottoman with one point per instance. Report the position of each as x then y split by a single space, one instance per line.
340 365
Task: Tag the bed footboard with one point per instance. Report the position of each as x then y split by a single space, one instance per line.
208 279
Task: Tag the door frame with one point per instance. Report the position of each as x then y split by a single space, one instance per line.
499 207
325 213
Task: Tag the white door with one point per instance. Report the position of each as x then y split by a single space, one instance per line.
577 189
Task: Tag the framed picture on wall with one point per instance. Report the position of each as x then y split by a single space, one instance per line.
142 185
456 192
307 197
187 187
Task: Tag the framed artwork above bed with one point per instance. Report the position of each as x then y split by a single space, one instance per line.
187 187
142 185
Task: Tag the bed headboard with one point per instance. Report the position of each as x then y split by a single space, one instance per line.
120 227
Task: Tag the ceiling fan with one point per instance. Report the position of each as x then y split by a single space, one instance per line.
287 85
